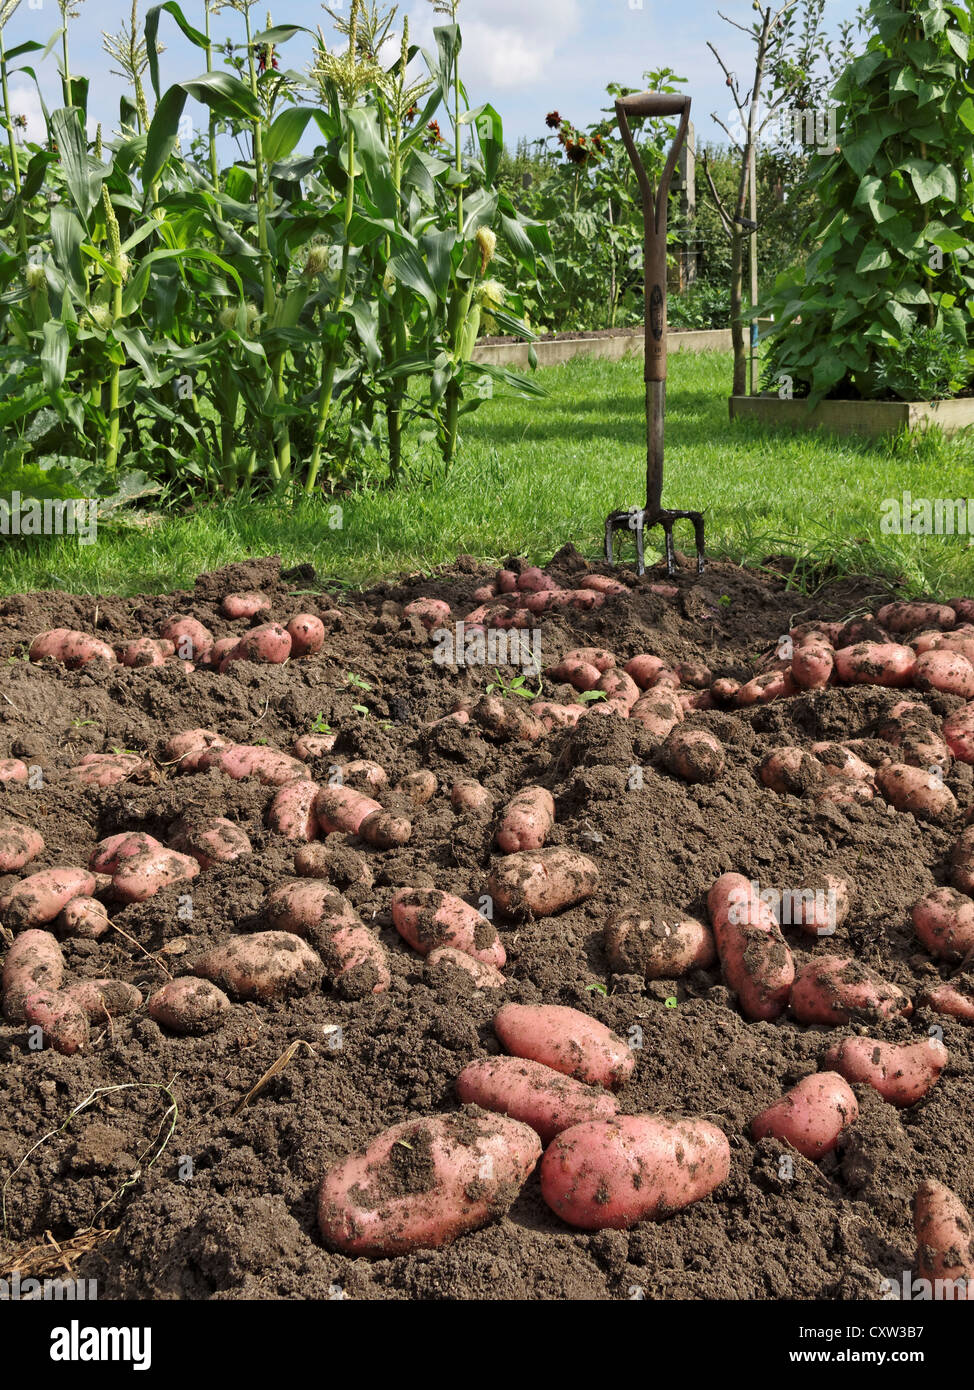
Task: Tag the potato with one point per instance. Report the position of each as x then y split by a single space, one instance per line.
695 699
262 965
902 1074
959 733
554 716
617 708
343 867
602 584
754 956
355 960
566 1040
819 906
947 671
270 643
761 690
146 651
944 922
343 808
842 793
533 580
467 794
583 675
109 853
189 1006
192 641
420 787
506 719
364 775
812 665
102 1000
292 812
534 1094
907 617
40 897
422 1183
447 959
431 612
220 652
107 769
945 1241
430 919
13 770
609 1174
307 634
645 669
239 760
84 917
506 581
245 605
961 861
185 750
875 663
617 685
957 1000
19 844
62 1021
526 820
209 839
143 875
811 1116
34 961
542 882
693 754
598 657
73 649
839 989
839 762
659 711
487 591
963 609
310 746
916 790
724 691
384 830
308 907
657 943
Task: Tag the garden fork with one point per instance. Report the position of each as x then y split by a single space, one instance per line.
637 519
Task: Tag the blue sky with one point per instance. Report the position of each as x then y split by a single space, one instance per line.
526 56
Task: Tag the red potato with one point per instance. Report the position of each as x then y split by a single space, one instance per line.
506 719
839 762
947 671
811 1116
645 669
419 787
385 831
581 674
566 1040
693 754
40 897
695 673
658 711
19 844
102 1000
209 839
761 690
72 649
657 944
466 794
431 919
526 820
812 665
665 590
754 956
364 775
108 854
292 812
857 630
421 1184
355 961
619 709
191 640
944 922
959 733
62 1020
146 651
13 770
34 961
961 861
907 617
270 643
220 652
945 1242
485 593
143 875
307 634
619 686
695 699
533 580
598 657
534 1094
840 793
819 906
262 965
185 750
963 609
310 746
189 1006
448 958
240 760
725 690
542 882
875 663
916 790
310 908
610 1174
554 716
506 581
431 612
245 605
343 867
602 584
927 641
956 1000
839 989
84 917
107 769
901 1074
961 642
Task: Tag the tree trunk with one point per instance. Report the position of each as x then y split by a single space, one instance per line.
737 308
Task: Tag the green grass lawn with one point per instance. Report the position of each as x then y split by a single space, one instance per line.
533 474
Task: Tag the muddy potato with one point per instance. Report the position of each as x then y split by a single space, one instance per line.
292 811
947 671
19 844
812 665
962 862
901 1073
191 640
262 965
189 1006
583 675
506 720
610 1174
761 690
791 770
184 751
944 922
566 1040
385 830
62 1021
840 762
307 747
534 1094
917 790
307 634
84 917
954 999
34 961
431 612
447 960
542 882
145 874
945 1241
693 754
467 794
754 956
811 1116
13 770
209 840
840 989
109 853
343 808
526 820
39 897
104 999
73 649
107 769
345 868
428 919
908 616
420 787
818 905
309 907
657 943
422 1183
875 663
245 605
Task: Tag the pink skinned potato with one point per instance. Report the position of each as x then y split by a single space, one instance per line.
947 671
447 961
526 820
534 1094
307 634
811 1116
959 733
840 989
961 861
240 760
944 922
610 1174
916 789
34 961
269 643
566 1040
422 1183
812 665
659 711
40 897
542 882
244 605
109 853
189 1006
657 943
60 1018
101 1000
292 811
954 999
19 844
645 669
466 794
901 1073
908 616
108 769
310 746
191 640
580 674
418 787
693 754
143 875
209 839
261 966
945 1241
430 612
875 663
428 919
13 770
754 956
146 651
840 762
184 751
83 917
72 649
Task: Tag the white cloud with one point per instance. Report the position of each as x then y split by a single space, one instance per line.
24 101
506 43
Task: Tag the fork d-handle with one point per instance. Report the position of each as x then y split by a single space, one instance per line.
654 216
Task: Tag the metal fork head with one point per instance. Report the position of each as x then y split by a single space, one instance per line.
638 520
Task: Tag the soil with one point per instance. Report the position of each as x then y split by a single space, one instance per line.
228 1209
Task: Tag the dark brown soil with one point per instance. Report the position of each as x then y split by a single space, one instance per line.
228 1210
